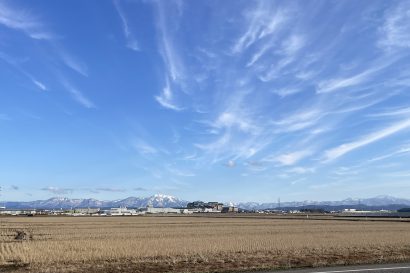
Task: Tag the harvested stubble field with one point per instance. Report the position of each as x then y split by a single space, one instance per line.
194 244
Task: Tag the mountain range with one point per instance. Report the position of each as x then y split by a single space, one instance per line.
378 201
157 200
161 200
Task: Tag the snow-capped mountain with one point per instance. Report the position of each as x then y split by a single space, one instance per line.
157 200
378 201
161 200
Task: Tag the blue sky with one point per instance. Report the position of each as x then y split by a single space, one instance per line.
213 100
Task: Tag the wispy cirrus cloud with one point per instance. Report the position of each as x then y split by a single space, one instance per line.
334 153
110 190
143 147
166 98
402 111
39 84
301 170
132 42
291 158
284 92
286 55
179 172
261 21
234 119
394 33
404 150
175 68
22 20
57 190
78 95
335 84
140 189
16 63
73 63
300 120
339 83
169 53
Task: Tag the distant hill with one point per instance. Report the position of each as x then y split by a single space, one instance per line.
161 200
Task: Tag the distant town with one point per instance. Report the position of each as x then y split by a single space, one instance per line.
193 207
198 207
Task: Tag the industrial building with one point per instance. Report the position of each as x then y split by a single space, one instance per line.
200 206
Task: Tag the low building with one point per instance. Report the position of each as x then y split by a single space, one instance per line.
152 210
87 210
122 211
195 205
230 209
205 206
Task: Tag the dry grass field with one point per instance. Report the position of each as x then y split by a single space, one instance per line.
193 244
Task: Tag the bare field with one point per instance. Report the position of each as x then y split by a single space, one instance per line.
194 244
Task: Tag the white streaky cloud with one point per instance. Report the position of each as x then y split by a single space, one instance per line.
258 54
275 70
21 20
231 146
393 113
341 150
339 83
305 75
227 120
348 171
400 152
190 157
261 22
294 182
299 120
78 95
255 166
216 146
288 52
172 60
395 32
57 190
179 172
301 170
80 98
39 84
132 43
284 92
237 114
16 64
293 44
165 99
170 55
292 158
97 190
368 102
143 148
74 64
